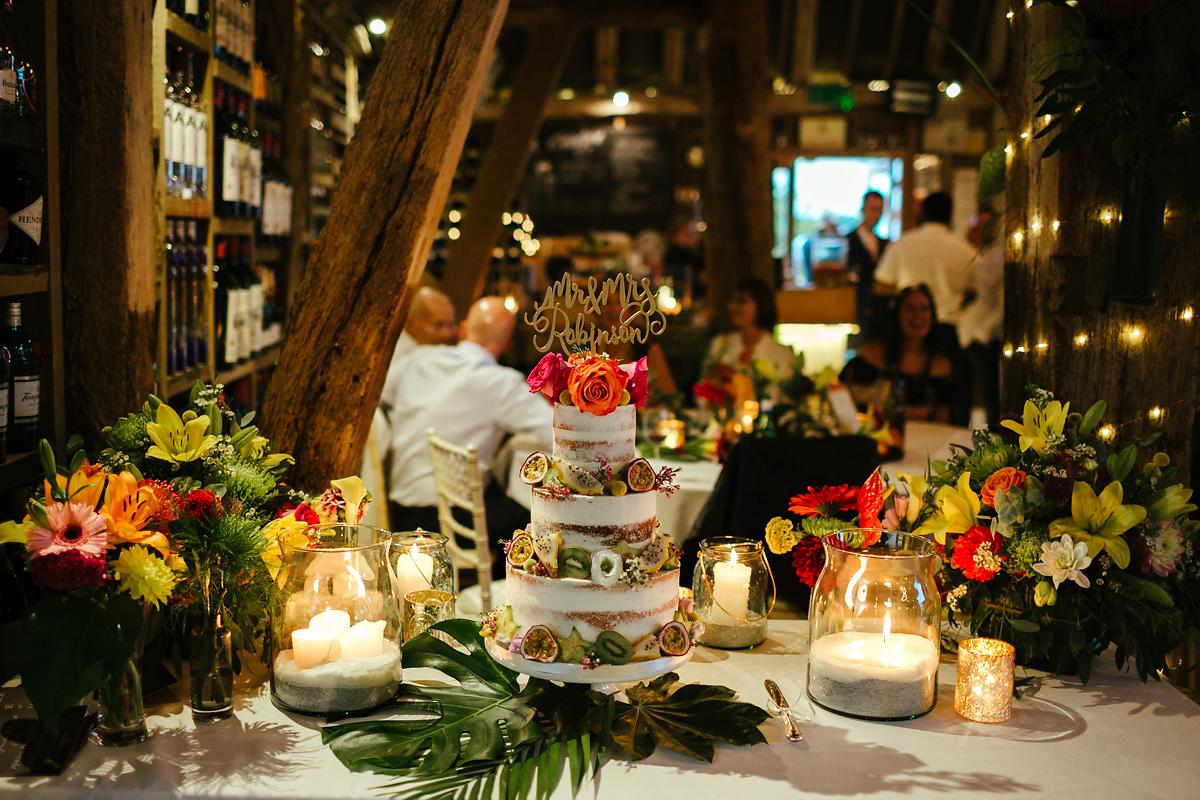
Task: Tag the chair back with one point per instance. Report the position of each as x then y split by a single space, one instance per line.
459 484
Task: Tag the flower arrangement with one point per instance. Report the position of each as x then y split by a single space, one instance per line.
591 382
1058 542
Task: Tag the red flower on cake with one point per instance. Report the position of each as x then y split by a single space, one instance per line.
639 381
595 386
826 501
549 376
808 559
977 553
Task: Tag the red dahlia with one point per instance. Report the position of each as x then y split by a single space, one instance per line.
824 502
977 553
808 559
201 502
67 570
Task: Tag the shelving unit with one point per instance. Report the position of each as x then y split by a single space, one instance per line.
38 287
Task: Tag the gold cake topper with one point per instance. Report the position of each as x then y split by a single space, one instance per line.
552 320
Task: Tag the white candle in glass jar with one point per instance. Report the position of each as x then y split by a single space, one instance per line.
362 640
731 593
414 572
850 656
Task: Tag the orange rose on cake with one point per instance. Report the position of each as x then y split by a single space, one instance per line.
595 385
1001 480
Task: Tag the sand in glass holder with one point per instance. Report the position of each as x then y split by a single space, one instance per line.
730 591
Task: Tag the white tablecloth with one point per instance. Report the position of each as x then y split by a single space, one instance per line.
1115 737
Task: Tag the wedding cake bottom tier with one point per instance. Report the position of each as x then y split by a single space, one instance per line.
345 685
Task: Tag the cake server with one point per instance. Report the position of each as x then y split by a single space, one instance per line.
785 713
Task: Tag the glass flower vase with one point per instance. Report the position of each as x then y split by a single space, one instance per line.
210 663
121 719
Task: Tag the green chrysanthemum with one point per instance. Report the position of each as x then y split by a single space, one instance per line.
128 434
247 480
822 526
1024 550
989 458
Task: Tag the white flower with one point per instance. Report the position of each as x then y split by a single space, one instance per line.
1164 549
1064 560
607 567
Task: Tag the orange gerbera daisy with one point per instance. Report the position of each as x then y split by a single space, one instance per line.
129 509
826 501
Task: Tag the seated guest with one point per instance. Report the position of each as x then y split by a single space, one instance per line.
753 314
467 399
909 353
430 320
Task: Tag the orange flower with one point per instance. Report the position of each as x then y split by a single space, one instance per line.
1002 479
595 385
86 485
128 509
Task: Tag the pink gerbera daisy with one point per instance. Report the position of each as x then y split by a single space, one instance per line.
73 526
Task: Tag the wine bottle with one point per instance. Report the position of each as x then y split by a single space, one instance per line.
20 216
26 365
8 71
220 299
183 302
5 395
198 267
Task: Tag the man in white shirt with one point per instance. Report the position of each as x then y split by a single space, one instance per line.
468 399
932 255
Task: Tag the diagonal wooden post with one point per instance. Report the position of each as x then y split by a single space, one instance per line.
504 163
351 304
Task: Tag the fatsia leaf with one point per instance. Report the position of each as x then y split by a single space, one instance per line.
688 720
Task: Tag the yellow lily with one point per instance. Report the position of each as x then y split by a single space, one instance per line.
284 533
85 485
1100 521
355 493
957 509
1170 503
916 494
15 532
127 509
1039 424
179 440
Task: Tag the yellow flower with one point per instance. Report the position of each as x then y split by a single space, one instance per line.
916 494
781 536
1100 521
144 575
1039 424
284 533
15 532
85 485
127 509
1170 503
957 509
355 493
179 440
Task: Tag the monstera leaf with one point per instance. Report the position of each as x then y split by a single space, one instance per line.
687 720
488 736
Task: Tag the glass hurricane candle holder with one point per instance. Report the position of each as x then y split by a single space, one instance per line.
335 622
425 608
730 592
421 561
983 690
873 626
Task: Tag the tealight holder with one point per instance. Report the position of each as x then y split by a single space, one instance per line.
749 410
729 589
984 689
421 561
425 608
335 622
873 626
673 434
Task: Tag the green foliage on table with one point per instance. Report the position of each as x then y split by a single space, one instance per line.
491 736
68 649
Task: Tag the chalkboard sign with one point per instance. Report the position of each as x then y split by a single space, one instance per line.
601 179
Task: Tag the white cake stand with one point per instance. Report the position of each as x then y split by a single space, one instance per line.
606 678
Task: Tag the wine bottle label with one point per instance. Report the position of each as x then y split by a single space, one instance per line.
29 220
255 176
26 397
8 86
200 157
230 174
255 319
191 7
178 128
3 409
168 123
189 138
232 334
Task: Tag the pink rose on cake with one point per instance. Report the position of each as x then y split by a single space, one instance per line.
595 385
639 381
549 376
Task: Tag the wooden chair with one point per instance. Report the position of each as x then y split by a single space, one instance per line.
460 485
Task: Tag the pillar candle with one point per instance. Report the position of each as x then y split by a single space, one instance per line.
311 647
731 593
362 640
414 572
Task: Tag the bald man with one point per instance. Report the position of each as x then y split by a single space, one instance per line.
468 399
430 320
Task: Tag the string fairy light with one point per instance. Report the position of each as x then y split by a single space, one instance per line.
1008 351
1018 238
1156 414
1134 334
1081 339
1106 432
1187 314
1042 347
1055 225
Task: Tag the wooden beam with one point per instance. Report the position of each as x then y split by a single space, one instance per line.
107 217
889 69
607 54
737 196
936 49
504 163
368 261
615 13
674 52
804 41
852 37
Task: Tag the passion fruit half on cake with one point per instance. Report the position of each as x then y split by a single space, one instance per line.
639 475
539 644
674 640
535 469
520 549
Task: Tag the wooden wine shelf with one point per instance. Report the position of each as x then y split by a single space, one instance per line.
182 382
223 226
266 358
182 29
192 209
16 283
323 97
228 75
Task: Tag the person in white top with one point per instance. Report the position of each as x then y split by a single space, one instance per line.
932 255
982 324
753 314
467 398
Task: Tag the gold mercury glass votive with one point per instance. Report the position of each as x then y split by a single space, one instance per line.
672 431
984 689
424 608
